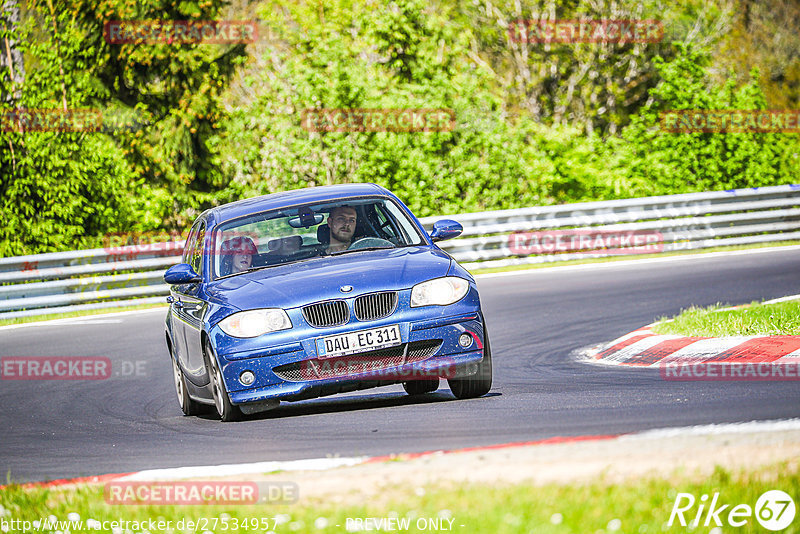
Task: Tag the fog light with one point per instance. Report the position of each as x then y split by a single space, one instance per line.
465 340
247 378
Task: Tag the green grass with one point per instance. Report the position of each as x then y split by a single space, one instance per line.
50 316
781 318
610 259
640 506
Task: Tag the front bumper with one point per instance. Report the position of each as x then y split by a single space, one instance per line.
289 368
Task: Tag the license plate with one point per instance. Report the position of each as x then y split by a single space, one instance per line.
353 342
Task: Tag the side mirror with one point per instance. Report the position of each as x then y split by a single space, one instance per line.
446 229
181 274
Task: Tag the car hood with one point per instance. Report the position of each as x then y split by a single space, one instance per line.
300 283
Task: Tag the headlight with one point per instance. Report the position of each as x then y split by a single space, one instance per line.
254 323
439 291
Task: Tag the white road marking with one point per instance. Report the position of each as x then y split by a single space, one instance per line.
702 350
84 318
792 357
627 263
637 348
319 464
92 321
782 299
778 425
313 464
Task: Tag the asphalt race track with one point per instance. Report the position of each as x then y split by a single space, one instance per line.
56 429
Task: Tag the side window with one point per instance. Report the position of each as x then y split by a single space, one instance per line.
190 241
196 259
397 224
405 228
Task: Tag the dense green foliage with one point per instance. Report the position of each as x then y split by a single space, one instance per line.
64 189
664 163
535 124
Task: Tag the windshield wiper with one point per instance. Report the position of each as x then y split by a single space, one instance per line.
339 252
250 270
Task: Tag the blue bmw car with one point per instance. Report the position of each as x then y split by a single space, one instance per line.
318 291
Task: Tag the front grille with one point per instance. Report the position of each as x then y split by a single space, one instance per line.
330 313
375 305
316 369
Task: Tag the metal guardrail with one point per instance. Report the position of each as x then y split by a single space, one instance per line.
122 276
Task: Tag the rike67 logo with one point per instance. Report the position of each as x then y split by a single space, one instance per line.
774 510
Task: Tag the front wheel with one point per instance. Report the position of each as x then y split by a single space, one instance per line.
480 383
227 411
188 406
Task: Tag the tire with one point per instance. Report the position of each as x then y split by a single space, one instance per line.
188 406
222 402
420 387
480 383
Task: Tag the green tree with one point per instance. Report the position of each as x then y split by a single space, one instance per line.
63 190
399 55
665 163
592 85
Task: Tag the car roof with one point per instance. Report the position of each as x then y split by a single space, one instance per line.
285 199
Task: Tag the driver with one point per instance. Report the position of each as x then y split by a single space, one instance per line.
342 225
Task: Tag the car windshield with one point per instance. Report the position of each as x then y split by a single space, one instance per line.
305 232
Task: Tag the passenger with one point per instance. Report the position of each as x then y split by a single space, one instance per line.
237 255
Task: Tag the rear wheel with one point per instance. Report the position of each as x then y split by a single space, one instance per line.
188 406
480 383
420 387
227 411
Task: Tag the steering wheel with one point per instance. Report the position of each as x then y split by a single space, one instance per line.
368 242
